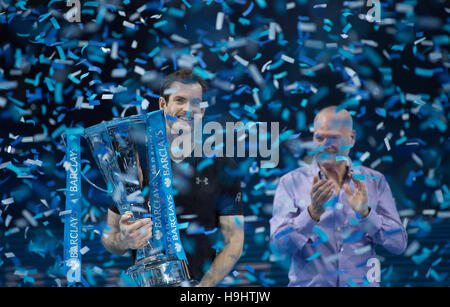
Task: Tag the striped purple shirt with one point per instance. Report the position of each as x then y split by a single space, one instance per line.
336 250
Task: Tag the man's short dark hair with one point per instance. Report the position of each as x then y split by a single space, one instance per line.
185 76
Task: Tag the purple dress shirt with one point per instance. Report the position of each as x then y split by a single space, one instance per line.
334 251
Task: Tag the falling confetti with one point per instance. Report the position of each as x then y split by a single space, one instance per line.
266 61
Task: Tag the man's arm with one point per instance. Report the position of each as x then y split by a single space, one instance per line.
383 224
232 228
123 234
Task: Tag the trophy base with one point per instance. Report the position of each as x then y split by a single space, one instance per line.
161 272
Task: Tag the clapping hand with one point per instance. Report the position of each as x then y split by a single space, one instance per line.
321 192
358 199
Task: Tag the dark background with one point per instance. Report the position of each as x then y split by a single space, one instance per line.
38 56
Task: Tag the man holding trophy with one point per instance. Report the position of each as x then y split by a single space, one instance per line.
207 195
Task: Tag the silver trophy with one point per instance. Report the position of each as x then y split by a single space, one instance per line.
125 152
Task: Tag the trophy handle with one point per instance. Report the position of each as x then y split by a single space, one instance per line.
87 179
94 185
82 174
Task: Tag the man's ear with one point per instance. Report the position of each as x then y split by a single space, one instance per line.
353 137
162 103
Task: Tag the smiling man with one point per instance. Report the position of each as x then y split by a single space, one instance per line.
206 193
328 217
181 99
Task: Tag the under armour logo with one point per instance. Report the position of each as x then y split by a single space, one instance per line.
198 180
238 197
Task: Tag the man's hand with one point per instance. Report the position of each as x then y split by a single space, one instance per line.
135 234
321 191
358 199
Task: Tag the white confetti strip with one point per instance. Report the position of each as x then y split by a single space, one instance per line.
65 212
412 248
179 39
307 26
33 162
407 212
27 215
363 250
364 156
290 5
272 31
8 201
114 50
219 20
84 250
417 159
439 196
128 24
443 214
8 220
241 60
287 58
386 142
139 70
144 104
107 96
428 212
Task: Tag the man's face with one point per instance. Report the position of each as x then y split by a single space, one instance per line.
334 137
184 103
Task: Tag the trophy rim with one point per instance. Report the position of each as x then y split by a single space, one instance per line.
117 121
113 123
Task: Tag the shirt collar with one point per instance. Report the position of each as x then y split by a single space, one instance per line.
315 169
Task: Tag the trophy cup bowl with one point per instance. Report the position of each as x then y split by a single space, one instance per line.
121 150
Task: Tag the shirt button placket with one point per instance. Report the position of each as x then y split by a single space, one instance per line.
339 242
